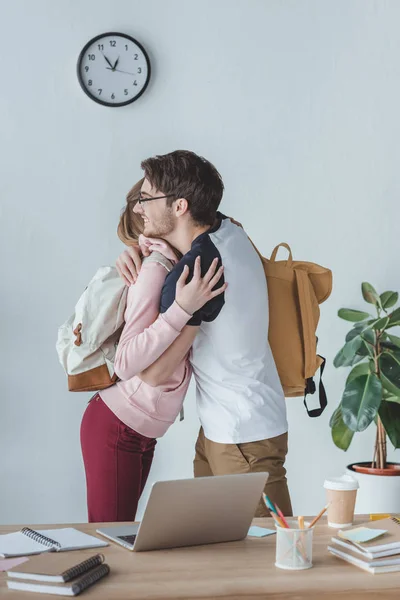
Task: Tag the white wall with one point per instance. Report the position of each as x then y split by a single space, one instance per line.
296 102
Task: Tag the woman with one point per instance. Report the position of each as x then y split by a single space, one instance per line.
121 424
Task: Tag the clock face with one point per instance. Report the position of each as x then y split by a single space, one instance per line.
113 69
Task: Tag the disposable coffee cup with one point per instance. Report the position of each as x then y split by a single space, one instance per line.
341 495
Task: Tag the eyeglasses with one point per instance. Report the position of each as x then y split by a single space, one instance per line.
142 200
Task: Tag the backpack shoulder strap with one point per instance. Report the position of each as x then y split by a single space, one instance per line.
307 325
159 258
311 360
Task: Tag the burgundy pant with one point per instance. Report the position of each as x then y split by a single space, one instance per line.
117 463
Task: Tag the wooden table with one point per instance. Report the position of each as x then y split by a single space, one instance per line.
233 570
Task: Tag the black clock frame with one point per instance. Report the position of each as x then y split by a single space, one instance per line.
79 74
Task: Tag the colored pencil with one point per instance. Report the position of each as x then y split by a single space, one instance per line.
319 515
281 515
273 512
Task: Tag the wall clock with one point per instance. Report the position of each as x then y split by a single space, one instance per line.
113 69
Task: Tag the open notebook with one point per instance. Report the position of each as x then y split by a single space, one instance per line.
28 541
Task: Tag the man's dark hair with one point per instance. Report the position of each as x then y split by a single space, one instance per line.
184 174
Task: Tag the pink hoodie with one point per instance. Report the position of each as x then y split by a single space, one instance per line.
148 410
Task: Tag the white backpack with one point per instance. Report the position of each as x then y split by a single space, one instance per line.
87 342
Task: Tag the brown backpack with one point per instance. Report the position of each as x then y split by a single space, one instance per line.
295 290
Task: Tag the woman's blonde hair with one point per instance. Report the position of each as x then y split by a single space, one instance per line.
130 225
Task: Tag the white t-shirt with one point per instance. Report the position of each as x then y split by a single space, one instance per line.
239 395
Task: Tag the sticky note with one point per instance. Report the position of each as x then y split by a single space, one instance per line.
361 534
9 563
260 531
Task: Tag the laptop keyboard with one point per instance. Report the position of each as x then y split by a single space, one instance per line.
129 539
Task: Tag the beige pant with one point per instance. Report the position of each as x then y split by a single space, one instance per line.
269 455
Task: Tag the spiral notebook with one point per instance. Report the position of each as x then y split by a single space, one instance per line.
28 541
56 568
389 564
73 588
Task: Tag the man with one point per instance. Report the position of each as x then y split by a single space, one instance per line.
240 401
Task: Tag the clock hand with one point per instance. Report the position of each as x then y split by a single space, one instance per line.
116 62
106 59
119 71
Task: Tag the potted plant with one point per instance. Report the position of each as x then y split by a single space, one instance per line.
372 395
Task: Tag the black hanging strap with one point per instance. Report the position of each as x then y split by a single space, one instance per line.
311 389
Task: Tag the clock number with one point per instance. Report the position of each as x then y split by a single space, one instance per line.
86 69
90 83
136 56
113 43
126 46
135 82
112 96
99 90
139 70
92 56
100 46
126 92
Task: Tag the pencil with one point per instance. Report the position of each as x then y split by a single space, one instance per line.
270 505
281 515
278 521
301 522
273 512
319 515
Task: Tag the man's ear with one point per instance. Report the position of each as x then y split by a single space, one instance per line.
181 207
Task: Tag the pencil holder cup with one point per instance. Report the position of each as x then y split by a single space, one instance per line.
294 547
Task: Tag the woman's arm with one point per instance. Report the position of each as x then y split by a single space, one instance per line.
157 373
147 335
140 344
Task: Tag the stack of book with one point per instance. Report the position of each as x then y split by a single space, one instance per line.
64 575
373 546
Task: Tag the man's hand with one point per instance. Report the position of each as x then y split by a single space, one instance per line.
194 295
128 264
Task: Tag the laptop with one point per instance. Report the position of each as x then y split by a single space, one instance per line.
191 512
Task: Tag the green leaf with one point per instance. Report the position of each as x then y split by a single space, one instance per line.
347 356
381 323
390 398
394 339
389 299
368 335
361 369
341 434
357 329
394 318
390 372
389 346
370 294
348 314
389 413
360 402
365 350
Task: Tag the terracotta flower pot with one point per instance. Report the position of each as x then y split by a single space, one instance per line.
391 470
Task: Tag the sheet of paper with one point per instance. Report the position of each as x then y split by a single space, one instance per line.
260 531
8 563
361 534
18 544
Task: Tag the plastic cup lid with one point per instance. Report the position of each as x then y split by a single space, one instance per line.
345 482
